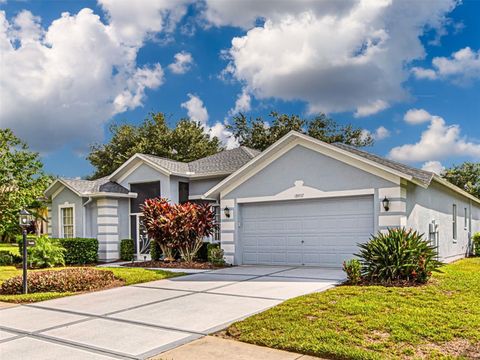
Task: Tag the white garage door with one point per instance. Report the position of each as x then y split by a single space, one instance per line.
321 232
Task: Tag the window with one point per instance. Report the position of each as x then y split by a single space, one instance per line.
183 192
454 222
147 190
466 219
67 222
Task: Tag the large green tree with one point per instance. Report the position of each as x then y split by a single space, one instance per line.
22 181
259 134
187 141
466 176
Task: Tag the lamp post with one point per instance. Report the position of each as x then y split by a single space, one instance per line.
25 219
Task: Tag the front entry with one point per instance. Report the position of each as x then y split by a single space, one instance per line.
140 236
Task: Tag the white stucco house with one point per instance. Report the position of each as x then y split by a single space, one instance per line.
300 202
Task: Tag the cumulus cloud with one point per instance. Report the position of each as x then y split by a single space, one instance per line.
433 166
439 141
182 63
379 134
417 116
335 55
197 111
462 67
60 84
242 104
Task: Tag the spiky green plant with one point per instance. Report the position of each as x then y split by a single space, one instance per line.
399 255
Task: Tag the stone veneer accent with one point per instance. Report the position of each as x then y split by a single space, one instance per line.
227 230
107 229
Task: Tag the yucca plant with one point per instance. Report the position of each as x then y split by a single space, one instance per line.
398 256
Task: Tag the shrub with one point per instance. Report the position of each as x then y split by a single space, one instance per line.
80 251
127 250
155 251
46 253
202 254
179 227
476 244
399 255
66 280
215 254
353 269
7 258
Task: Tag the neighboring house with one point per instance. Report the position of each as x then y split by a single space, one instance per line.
300 202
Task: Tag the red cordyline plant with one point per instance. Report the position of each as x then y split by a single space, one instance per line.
179 227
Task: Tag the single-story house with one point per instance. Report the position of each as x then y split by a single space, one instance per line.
299 202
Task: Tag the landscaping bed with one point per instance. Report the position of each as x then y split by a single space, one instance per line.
440 320
91 279
175 265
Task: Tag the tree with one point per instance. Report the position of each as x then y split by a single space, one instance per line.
257 134
22 181
466 176
187 141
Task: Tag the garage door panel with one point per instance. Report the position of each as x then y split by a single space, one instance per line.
310 232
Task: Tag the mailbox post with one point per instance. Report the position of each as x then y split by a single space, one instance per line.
25 219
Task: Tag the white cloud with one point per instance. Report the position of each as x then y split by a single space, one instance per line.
335 55
381 133
242 104
461 67
433 166
60 84
182 63
417 116
197 111
439 141
371 109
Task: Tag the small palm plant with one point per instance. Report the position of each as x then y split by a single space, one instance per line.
398 256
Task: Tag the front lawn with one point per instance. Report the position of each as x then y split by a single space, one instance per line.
129 276
439 320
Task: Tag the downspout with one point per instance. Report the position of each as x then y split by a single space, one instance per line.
84 215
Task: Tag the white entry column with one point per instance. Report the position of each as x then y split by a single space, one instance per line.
107 229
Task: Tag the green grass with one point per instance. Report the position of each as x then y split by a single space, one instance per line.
13 248
129 275
440 320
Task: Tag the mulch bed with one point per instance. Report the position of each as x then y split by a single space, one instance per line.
175 265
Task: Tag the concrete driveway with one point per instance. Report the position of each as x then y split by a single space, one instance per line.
139 321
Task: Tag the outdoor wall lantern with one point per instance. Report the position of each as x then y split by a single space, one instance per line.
25 218
226 211
386 204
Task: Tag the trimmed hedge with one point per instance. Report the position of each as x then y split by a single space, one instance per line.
476 244
66 280
155 251
127 250
80 251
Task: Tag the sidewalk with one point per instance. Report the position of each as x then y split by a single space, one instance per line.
211 347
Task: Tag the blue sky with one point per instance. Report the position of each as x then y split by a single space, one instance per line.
408 72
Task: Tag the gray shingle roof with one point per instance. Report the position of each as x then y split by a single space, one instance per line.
85 187
224 162
424 177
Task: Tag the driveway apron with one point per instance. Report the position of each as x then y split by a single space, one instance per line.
139 321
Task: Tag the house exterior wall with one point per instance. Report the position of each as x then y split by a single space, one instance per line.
145 173
174 180
436 203
66 197
305 172
199 187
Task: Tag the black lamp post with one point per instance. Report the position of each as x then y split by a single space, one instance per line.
386 204
25 218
